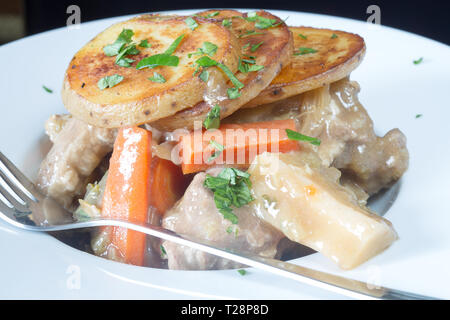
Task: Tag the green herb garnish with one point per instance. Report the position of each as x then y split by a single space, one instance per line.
204 76
213 14
109 81
334 36
162 59
123 39
242 272
121 48
163 251
250 33
144 44
301 51
174 45
206 62
157 78
226 22
302 36
231 187
191 23
261 22
47 89
419 116
418 61
212 120
255 67
217 153
294 135
246 65
156 60
233 93
256 46
121 60
207 48
125 62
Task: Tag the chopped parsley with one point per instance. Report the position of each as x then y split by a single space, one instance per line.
156 60
47 89
261 22
174 45
121 48
207 48
123 39
212 120
302 50
246 65
163 252
217 153
212 14
250 33
204 76
226 22
109 81
144 44
294 135
334 36
121 60
242 272
233 93
256 46
191 23
231 187
157 78
206 62
418 61
162 59
302 36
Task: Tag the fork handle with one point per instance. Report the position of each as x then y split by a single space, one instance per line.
348 287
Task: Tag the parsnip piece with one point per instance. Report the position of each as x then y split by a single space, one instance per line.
304 200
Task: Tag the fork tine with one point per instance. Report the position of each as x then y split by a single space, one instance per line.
12 200
15 188
7 210
22 181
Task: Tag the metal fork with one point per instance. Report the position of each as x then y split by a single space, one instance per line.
25 207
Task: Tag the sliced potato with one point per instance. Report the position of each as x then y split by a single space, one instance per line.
137 100
338 54
303 199
274 52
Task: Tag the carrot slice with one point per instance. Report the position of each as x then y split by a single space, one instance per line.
126 194
240 143
167 184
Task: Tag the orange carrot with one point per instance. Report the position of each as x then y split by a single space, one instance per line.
167 184
126 194
240 144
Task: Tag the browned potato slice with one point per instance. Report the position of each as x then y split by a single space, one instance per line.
137 100
274 53
335 58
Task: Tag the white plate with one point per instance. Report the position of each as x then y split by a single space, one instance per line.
394 90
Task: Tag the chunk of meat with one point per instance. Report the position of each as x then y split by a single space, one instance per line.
349 142
196 215
55 124
77 151
299 196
